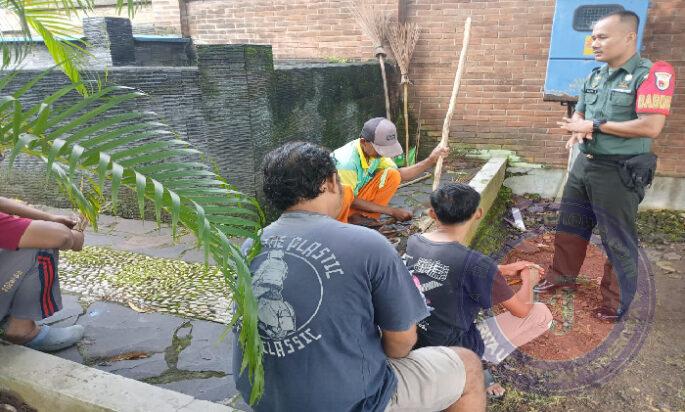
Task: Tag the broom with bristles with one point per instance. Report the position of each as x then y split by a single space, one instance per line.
402 38
373 22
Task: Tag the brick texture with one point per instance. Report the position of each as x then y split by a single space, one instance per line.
500 102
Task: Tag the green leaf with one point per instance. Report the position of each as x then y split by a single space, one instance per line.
117 173
159 197
55 150
103 165
41 121
76 152
175 211
141 182
24 140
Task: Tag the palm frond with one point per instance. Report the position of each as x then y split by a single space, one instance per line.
49 19
96 140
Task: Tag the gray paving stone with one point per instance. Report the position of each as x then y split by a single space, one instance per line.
71 309
135 227
210 389
103 239
169 252
196 256
71 354
138 368
112 329
206 351
151 240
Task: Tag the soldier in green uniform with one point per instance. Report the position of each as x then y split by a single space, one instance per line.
621 109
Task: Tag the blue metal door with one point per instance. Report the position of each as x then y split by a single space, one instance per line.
570 51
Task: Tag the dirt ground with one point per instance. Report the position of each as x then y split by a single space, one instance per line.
12 402
651 342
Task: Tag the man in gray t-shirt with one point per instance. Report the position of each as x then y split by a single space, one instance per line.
337 308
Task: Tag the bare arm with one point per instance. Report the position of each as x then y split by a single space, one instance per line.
13 207
368 206
412 172
399 344
46 231
646 125
50 235
522 302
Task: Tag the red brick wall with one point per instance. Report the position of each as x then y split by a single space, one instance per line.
302 29
665 40
500 102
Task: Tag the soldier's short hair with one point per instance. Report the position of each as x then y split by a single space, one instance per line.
626 17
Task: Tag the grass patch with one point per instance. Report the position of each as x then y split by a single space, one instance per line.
661 226
491 235
519 401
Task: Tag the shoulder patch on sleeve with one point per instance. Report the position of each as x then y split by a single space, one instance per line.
656 91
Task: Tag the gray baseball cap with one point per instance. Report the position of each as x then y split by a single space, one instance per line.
382 134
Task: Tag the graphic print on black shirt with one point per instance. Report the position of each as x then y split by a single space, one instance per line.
457 282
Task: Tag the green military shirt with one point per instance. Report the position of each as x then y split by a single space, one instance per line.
610 94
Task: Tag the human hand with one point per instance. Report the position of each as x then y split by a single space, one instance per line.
532 274
77 239
577 138
576 125
68 221
439 151
517 267
401 214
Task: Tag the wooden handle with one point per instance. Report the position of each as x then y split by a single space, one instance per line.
450 110
405 88
385 87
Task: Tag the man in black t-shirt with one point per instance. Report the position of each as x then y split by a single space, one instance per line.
458 282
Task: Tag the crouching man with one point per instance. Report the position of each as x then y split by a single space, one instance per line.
338 308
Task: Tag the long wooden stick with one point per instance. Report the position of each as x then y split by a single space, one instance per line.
405 88
385 87
450 110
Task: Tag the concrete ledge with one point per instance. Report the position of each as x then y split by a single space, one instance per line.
665 193
487 182
49 383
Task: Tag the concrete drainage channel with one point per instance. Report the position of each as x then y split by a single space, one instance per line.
49 383
487 182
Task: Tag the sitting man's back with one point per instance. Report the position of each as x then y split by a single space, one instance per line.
324 289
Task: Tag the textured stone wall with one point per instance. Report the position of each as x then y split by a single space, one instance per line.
163 52
234 106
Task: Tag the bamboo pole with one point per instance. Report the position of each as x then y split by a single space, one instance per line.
373 22
450 110
405 89
418 132
385 86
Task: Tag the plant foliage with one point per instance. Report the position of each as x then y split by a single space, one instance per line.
93 146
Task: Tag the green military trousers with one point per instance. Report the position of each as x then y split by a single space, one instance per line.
595 196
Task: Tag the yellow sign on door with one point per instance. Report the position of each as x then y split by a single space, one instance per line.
587 48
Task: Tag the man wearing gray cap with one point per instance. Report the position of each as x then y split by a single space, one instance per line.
369 176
